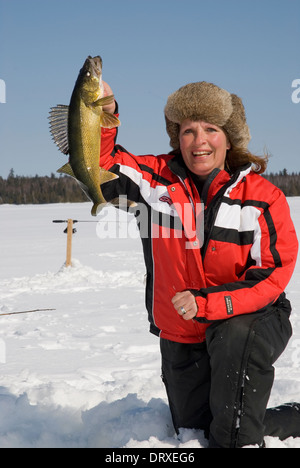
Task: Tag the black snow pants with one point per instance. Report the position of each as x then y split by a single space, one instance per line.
223 385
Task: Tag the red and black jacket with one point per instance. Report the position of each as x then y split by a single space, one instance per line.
235 248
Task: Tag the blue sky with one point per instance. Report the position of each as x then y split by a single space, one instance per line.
149 48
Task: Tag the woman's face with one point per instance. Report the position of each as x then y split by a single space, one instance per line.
203 147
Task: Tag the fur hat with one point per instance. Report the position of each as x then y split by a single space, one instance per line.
206 101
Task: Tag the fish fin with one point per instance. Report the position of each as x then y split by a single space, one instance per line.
104 101
108 120
67 169
59 117
96 106
117 202
121 202
84 189
132 204
106 176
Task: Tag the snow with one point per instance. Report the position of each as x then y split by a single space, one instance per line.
87 374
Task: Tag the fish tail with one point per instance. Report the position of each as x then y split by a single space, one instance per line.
97 207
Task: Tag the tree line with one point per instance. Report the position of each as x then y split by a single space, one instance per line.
21 190
288 183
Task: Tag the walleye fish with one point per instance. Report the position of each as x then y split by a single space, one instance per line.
76 131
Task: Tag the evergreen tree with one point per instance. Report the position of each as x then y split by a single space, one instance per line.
62 189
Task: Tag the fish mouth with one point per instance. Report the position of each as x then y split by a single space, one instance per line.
93 65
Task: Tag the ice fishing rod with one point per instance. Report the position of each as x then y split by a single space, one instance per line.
70 230
74 221
26 311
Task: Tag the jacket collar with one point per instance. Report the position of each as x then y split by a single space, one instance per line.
177 166
215 181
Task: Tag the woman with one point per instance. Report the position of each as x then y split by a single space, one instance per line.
220 249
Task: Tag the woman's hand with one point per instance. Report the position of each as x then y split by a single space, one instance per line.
107 92
185 304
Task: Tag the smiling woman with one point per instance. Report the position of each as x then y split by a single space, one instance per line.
203 147
217 110
215 295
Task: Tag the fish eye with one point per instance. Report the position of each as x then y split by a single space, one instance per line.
88 74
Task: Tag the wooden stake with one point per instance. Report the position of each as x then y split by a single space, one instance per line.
69 242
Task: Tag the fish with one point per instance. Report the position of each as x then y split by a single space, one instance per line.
76 130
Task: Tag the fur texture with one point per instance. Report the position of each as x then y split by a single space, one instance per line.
206 101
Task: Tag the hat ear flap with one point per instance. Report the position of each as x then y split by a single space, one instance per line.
237 125
173 130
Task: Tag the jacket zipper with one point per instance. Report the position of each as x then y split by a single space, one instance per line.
195 323
190 198
212 211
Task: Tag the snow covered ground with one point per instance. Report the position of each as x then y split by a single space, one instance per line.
87 374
